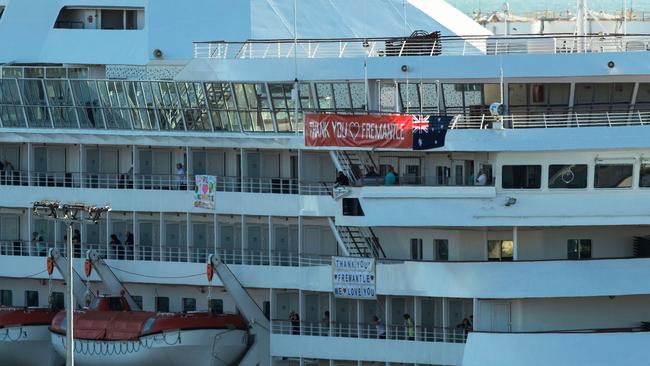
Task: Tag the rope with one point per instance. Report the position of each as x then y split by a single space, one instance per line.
149 276
117 348
7 335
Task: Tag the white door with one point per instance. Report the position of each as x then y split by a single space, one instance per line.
501 317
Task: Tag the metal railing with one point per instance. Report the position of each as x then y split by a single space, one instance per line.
403 47
161 182
369 331
555 120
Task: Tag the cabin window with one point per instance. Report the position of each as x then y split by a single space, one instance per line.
500 250
100 18
6 298
418 97
58 301
442 249
189 304
521 176
644 175
567 176
416 249
31 298
579 248
613 176
216 306
469 99
162 304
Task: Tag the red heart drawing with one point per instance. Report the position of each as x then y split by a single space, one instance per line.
354 129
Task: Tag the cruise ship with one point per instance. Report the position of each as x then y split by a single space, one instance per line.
520 237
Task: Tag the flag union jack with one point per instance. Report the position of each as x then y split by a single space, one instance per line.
421 122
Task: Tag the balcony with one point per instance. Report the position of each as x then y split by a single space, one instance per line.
352 341
579 348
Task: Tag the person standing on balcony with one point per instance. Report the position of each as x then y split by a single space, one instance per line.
390 177
342 180
180 177
41 248
129 245
481 179
295 322
116 244
410 330
325 324
380 329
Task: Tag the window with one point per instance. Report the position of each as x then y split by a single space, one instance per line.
521 176
97 18
538 98
31 298
216 306
442 249
644 175
58 301
138 301
416 249
500 250
613 176
6 298
579 248
189 304
601 97
567 176
162 304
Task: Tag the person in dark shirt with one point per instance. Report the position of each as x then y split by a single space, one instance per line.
129 245
342 180
116 244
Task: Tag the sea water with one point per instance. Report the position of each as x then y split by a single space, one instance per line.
528 6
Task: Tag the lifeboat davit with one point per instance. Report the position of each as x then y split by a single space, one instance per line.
25 339
111 334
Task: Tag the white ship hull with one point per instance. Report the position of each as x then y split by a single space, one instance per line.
205 347
27 346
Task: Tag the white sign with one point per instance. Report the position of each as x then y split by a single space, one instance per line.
354 278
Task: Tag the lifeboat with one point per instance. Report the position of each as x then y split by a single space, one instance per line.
109 333
25 339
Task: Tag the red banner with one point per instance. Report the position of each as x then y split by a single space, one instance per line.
389 131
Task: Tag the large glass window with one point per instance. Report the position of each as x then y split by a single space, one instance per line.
222 106
567 176
418 97
613 176
500 250
521 176
603 97
579 248
11 110
538 98
346 96
644 175
469 99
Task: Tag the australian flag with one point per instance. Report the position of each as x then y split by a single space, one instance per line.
429 133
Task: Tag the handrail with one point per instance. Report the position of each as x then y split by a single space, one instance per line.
441 46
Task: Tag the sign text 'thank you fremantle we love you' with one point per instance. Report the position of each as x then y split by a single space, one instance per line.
354 278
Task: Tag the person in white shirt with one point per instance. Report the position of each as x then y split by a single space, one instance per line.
180 177
481 179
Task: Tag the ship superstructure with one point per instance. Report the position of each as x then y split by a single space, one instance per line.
523 240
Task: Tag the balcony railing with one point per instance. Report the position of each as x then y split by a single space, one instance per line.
405 47
556 120
160 182
370 331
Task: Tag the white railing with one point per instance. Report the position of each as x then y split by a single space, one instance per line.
369 331
554 120
401 47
